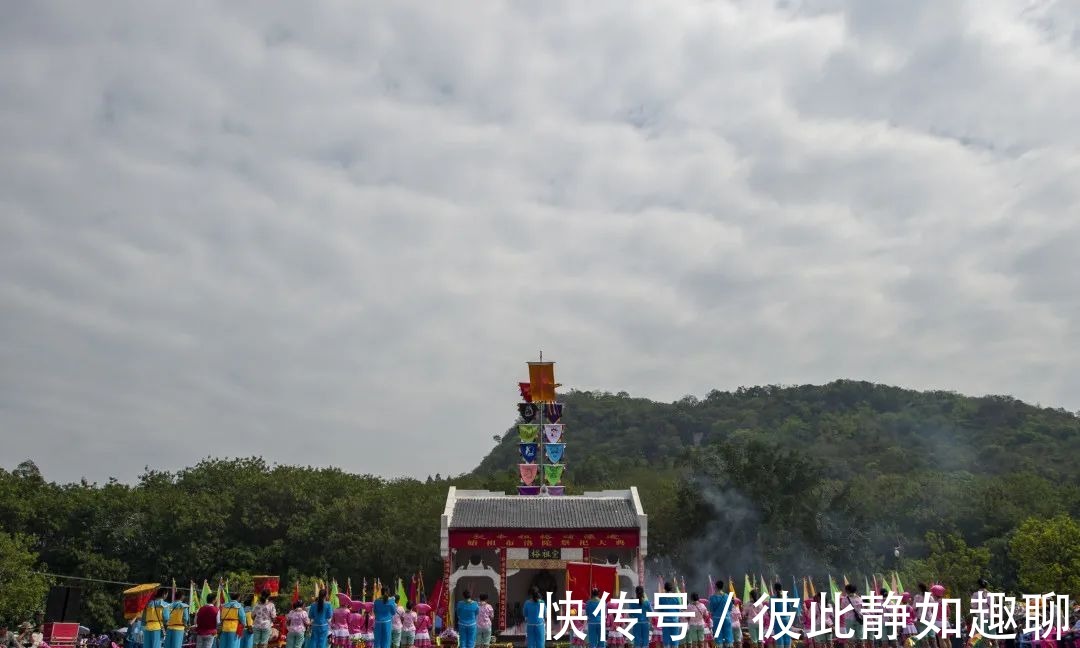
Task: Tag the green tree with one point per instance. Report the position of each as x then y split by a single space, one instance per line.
952 563
22 589
1047 553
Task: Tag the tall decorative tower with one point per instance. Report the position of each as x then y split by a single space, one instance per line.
540 433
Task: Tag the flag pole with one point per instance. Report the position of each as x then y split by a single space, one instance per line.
540 441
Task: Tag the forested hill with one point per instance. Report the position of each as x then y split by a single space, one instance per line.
845 428
838 478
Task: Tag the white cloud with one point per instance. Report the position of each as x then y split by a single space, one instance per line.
333 234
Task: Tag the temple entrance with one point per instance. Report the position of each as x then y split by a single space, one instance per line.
504 545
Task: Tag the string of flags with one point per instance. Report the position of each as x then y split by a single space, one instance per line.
540 430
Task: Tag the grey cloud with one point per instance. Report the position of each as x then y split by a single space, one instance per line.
328 234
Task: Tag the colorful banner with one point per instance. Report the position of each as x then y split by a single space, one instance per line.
526 392
554 451
553 474
136 598
528 473
528 452
528 432
553 412
542 382
528 411
542 538
553 433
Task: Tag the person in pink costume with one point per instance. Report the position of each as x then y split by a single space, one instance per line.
339 627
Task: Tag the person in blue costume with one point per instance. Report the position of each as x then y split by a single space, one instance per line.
720 609
533 610
642 629
785 608
319 613
384 610
247 640
154 616
594 613
672 621
233 617
465 614
134 637
177 623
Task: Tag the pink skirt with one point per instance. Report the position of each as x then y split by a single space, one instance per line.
422 639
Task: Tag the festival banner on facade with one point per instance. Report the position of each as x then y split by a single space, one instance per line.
528 473
582 578
618 538
528 432
528 452
554 451
553 412
136 598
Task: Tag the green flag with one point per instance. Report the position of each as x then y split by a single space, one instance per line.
899 585
403 598
226 592
832 587
193 598
206 593
746 589
333 593
867 582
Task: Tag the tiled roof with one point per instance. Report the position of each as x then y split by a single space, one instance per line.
543 513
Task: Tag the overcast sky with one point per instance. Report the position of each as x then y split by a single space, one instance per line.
335 235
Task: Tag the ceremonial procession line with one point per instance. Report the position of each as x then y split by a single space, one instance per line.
843 618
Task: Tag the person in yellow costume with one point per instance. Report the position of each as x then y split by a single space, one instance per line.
154 615
232 616
177 623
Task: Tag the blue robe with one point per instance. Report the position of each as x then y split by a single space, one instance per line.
320 624
465 612
667 636
535 634
248 640
595 622
228 640
788 608
384 618
135 634
642 629
721 629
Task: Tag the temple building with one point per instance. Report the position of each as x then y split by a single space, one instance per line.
503 545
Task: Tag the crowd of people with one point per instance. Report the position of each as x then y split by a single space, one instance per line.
27 635
721 620
168 622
